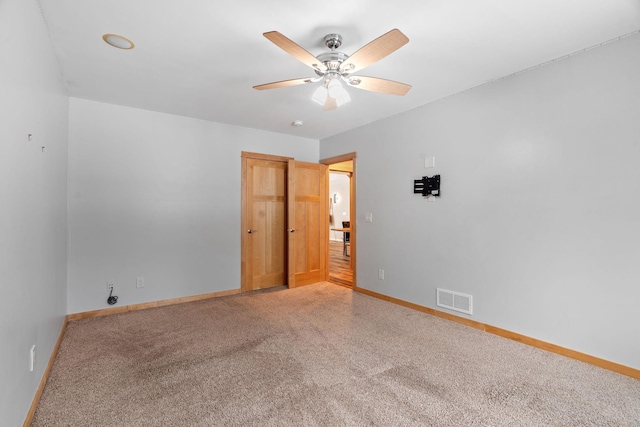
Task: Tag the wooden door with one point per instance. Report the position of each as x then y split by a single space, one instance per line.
307 223
264 257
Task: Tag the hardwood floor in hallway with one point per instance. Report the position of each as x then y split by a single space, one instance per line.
340 271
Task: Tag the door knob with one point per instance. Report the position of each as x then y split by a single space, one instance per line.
251 231
291 230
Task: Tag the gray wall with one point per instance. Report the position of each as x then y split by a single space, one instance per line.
33 223
157 196
539 217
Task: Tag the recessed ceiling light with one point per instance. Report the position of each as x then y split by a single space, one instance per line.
296 123
118 41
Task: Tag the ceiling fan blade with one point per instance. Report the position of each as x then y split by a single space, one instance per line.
283 83
375 84
294 50
375 51
330 104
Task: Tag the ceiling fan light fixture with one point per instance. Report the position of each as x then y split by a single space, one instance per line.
320 95
335 89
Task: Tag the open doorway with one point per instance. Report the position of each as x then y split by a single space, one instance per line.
342 235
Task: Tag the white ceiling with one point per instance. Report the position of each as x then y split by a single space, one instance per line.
200 58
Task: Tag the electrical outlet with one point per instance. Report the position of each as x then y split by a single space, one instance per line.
32 358
109 286
140 282
381 274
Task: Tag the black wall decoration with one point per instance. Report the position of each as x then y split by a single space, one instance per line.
427 186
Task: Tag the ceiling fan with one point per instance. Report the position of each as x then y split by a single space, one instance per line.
335 67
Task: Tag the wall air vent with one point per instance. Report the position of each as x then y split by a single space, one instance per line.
454 301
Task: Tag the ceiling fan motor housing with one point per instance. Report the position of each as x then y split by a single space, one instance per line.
332 61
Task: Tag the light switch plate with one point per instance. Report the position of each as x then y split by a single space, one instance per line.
32 358
368 217
430 162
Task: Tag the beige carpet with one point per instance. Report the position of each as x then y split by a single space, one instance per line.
317 355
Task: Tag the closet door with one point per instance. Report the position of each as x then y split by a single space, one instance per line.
308 239
264 236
